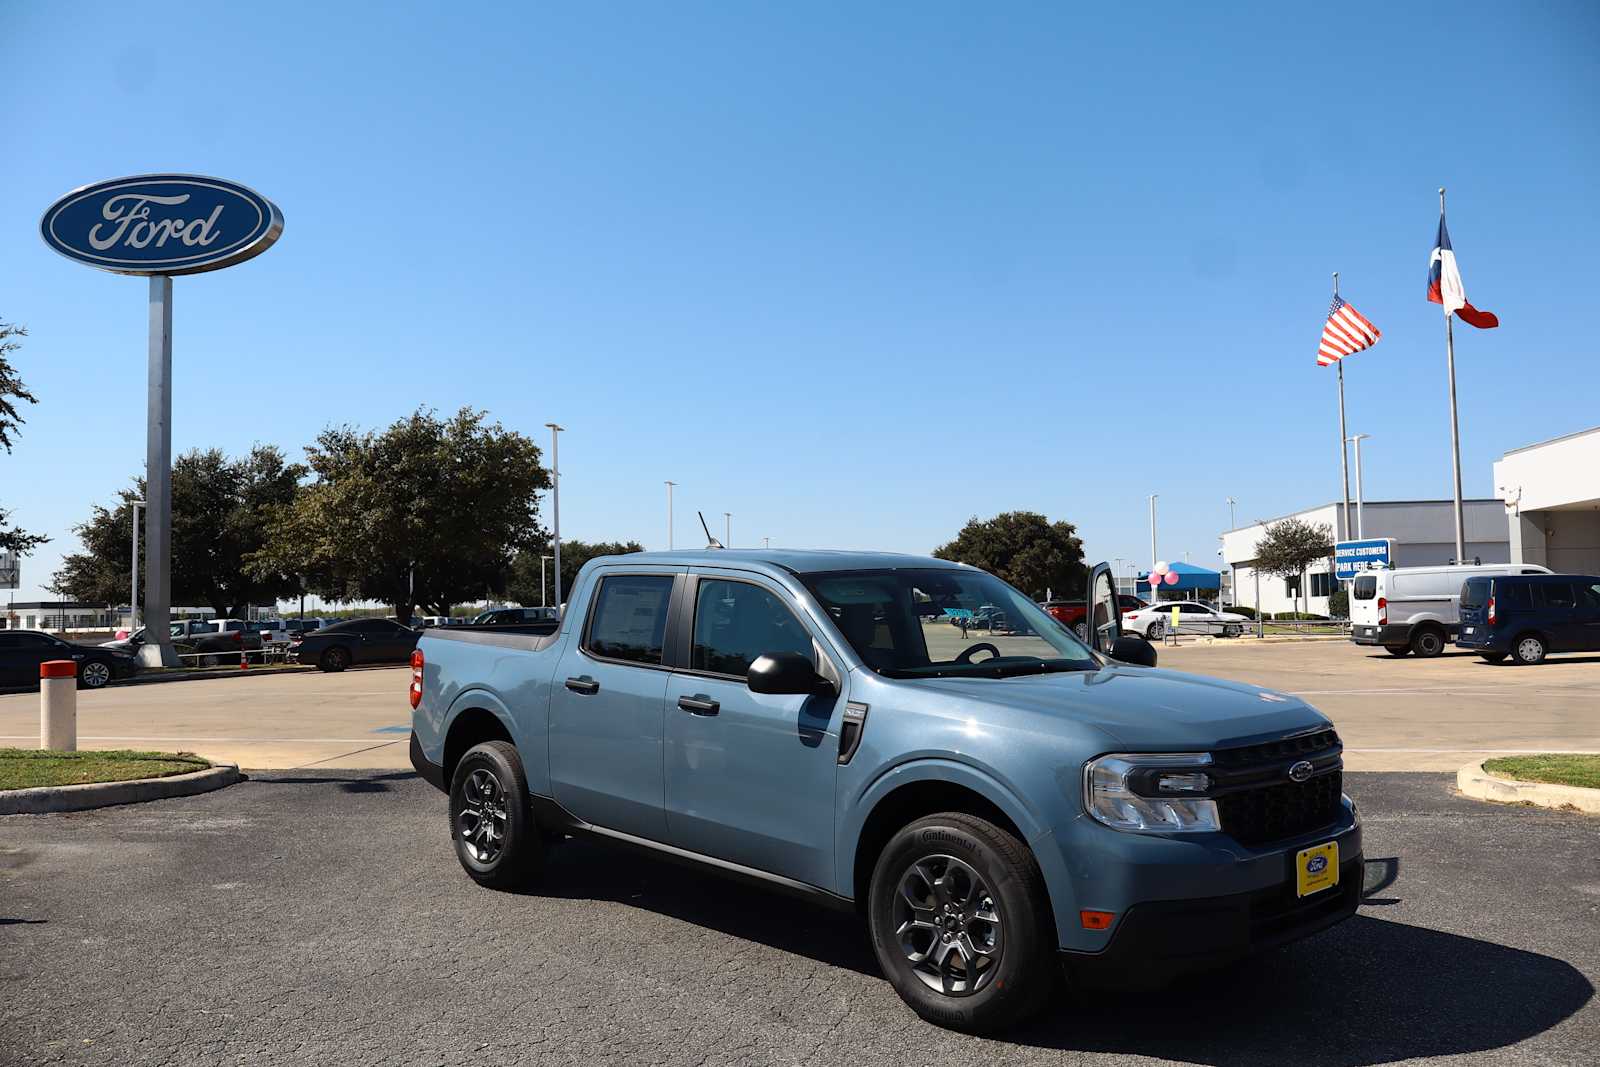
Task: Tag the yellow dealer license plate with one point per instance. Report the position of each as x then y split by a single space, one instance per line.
1316 868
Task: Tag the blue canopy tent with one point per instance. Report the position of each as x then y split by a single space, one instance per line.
1190 578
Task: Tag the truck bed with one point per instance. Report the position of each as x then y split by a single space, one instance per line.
527 635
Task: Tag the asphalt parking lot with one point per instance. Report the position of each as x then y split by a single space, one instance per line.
1394 714
305 919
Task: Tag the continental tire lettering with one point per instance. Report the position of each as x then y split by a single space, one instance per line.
945 837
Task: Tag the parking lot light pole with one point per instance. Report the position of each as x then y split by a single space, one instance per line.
1358 438
727 529
543 601
669 515
555 504
133 598
1153 545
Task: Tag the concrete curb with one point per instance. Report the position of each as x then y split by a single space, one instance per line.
1475 782
48 799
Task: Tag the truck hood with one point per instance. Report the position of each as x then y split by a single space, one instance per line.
1144 708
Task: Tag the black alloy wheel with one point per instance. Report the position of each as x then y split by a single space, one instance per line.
491 824
94 674
961 924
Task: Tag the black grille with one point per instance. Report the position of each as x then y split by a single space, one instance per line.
1273 812
1270 751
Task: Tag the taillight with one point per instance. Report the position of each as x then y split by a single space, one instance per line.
1491 611
1383 611
416 677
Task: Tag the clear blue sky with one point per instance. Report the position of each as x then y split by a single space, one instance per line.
853 272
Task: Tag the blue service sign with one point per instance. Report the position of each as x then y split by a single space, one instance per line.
162 224
1352 557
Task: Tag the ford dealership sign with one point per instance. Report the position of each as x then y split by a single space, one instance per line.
162 224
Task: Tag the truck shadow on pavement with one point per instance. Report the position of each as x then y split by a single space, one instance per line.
1369 991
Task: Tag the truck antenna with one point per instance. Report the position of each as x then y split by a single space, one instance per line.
711 542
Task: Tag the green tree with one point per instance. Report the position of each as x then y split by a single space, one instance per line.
1023 548
522 585
13 391
428 513
1289 546
220 511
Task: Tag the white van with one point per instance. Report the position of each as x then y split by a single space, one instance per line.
1413 609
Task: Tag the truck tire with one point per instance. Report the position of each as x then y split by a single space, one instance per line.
1397 650
961 923
334 659
1528 649
490 821
1427 642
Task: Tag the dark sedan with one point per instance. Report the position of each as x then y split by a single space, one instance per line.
21 652
354 642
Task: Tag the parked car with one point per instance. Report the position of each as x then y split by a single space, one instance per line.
296 627
197 643
21 652
1415 609
354 642
504 616
996 815
1528 616
1155 621
1071 613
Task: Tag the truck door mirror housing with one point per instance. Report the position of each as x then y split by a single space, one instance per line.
1135 650
781 673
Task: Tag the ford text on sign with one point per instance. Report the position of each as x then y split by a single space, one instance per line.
162 224
1352 557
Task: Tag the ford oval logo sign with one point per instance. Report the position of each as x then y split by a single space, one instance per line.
162 224
1316 864
1300 772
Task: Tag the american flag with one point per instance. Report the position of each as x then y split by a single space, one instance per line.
1347 331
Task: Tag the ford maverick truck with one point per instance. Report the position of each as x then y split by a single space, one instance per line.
1005 813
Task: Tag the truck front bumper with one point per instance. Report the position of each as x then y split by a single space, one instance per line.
1157 941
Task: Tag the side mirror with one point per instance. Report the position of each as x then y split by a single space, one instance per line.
1135 650
785 673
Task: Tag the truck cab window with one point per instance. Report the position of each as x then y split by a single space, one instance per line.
736 622
629 619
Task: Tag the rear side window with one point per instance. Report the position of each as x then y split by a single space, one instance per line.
736 622
1474 592
1557 595
629 618
1366 586
1513 596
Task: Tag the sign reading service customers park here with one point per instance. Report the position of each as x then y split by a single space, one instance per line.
162 224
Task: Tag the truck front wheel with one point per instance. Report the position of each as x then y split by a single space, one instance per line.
493 829
961 924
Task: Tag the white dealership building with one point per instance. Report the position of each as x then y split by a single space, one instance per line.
1547 511
1552 502
1424 532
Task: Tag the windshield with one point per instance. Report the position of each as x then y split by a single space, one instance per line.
1474 593
945 623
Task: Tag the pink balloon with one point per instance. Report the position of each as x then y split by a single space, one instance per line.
1172 577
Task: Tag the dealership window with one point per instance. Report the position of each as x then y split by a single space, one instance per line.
1291 586
1321 584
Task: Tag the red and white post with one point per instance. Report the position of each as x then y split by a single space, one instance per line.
58 705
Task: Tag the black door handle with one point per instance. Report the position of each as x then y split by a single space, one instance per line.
586 686
696 706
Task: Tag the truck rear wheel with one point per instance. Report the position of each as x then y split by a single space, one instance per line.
1427 642
961 924
490 822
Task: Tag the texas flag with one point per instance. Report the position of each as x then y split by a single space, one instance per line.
1444 284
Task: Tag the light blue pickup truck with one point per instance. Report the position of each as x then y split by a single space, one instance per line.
1005 813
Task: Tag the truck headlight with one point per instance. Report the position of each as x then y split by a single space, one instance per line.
1146 792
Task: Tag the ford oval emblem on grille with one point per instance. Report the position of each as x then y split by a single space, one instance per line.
1300 772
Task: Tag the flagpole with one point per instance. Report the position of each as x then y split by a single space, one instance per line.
1344 462
1455 428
